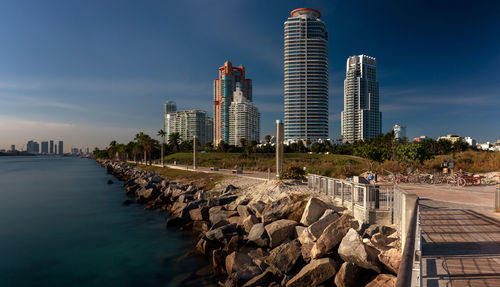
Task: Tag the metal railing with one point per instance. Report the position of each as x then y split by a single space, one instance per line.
366 197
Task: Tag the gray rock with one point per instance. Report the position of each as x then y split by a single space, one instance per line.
353 250
351 275
242 264
258 235
249 222
284 257
372 229
257 207
200 213
243 211
263 279
332 236
280 230
314 273
222 234
277 209
313 211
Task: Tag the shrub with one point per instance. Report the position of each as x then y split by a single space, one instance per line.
293 172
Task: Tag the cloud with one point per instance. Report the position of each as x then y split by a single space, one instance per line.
34 101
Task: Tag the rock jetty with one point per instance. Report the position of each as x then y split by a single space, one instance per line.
289 241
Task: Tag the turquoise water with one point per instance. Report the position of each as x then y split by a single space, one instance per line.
62 225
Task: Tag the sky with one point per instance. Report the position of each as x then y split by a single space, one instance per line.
89 72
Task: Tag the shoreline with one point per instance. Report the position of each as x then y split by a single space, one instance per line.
270 233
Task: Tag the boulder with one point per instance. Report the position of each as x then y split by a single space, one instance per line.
144 195
316 229
243 211
306 237
156 179
249 222
231 281
314 273
257 207
206 247
235 219
222 234
263 279
305 250
284 257
200 214
258 257
280 230
201 226
353 250
217 213
313 211
298 230
258 235
218 260
383 280
242 264
226 199
127 202
372 229
387 230
391 259
277 209
332 236
351 275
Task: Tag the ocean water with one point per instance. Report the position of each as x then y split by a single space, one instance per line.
61 224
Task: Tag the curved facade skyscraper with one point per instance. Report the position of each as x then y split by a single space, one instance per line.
306 76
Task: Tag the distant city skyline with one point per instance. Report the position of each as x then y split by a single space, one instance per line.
92 72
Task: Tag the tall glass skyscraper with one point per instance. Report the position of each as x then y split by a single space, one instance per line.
306 76
361 118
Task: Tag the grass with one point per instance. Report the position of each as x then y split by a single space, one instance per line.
202 180
336 165
330 165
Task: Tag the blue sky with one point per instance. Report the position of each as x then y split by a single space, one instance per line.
88 72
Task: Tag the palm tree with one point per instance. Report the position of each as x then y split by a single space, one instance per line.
268 139
162 134
173 140
140 138
243 142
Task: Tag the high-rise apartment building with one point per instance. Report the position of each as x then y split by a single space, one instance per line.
306 76
361 118
224 87
190 123
32 147
51 147
55 149
244 119
399 131
168 107
45 147
61 148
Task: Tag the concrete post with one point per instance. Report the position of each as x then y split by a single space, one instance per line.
194 152
497 199
279 147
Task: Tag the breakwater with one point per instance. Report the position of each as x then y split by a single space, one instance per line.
290 240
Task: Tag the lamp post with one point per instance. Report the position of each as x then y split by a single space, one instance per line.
279 147
194 152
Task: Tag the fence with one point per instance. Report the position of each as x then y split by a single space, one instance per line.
383 204
370 203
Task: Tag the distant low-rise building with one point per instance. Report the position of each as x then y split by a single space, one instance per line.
451 138
420 139
470 141
13 148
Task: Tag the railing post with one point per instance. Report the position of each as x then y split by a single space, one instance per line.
365 204
342 192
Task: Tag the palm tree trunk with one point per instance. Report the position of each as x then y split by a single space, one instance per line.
162 165
145 157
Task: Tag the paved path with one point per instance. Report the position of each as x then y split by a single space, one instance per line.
460 237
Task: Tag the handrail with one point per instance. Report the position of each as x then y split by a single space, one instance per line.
404 278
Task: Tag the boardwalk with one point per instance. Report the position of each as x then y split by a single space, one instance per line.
460 247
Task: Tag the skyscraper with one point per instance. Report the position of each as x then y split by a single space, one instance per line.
224 88
61 148
361 118
244 119
51 146
306 76
45 147
399 131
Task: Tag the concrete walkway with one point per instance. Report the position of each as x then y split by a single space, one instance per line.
460 236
